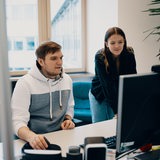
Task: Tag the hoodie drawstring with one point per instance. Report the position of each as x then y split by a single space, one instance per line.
60 99
50 98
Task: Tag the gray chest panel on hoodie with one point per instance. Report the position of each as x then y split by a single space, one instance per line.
40 120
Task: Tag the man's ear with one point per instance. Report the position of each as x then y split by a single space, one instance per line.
40 61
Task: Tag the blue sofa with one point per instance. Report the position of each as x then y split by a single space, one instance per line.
82 107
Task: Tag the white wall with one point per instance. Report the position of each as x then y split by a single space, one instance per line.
128 15
134 22
101 14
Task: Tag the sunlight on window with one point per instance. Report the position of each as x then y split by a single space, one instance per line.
66 30
22 30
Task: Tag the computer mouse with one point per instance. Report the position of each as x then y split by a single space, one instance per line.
50 146
52 152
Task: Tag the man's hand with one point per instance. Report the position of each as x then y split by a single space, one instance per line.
67 124
38 142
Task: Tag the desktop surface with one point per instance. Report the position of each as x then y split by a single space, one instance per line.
73 137
76 136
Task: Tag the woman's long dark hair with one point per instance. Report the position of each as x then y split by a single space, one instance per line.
107 53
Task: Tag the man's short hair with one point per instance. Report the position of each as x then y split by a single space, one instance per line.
47 47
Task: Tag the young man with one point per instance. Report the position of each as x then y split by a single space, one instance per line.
42 100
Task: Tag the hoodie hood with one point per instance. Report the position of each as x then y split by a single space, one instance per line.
35 73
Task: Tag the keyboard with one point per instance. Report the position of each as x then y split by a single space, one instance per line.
111 142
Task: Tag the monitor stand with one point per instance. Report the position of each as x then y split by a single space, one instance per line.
151 155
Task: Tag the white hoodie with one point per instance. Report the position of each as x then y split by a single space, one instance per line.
41 103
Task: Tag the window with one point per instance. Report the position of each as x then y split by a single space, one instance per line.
30 43
18 45
22 29
25 32
66 20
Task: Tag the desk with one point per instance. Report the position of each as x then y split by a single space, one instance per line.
76 136
66 138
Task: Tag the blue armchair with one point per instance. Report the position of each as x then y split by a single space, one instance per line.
82 107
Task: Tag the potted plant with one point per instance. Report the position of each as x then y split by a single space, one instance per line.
155 11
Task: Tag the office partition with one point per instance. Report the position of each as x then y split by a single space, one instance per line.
5 111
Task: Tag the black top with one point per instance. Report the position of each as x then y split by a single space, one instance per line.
105 84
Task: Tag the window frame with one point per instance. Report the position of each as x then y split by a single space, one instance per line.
44 33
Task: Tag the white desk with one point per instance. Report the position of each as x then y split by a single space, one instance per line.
66 138
76 136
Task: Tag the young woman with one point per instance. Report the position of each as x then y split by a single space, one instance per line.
111 61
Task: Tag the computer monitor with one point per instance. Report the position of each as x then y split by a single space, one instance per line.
138 121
